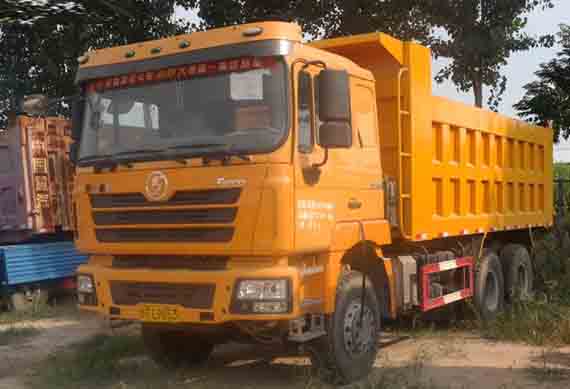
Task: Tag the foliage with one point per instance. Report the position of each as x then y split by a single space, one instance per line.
27 11
93 363
479 36
548 98
545 320
40 51
402 18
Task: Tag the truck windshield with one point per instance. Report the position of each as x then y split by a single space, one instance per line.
242 111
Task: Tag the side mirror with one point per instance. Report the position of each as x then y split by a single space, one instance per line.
335 135
334 95
76 118
35 104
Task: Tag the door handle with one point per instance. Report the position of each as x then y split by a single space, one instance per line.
354 204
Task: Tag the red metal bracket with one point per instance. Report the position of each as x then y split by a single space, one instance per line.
466 290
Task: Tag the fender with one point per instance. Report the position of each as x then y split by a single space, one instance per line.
346 235
349 240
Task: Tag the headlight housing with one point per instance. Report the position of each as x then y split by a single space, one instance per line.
262 290
262 296
85 284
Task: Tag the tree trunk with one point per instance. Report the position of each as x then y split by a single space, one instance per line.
478 91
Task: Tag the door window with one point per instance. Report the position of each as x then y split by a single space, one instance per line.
304 122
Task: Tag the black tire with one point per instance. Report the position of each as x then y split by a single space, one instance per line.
340 357
489 286
519 275
175 348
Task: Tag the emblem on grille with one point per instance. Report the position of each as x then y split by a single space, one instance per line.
156 187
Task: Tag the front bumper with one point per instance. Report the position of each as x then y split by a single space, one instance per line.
219 311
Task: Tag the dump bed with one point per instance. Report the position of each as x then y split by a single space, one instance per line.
456 169
36 178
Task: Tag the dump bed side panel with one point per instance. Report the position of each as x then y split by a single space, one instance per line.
487 172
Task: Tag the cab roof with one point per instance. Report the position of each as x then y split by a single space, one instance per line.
192 42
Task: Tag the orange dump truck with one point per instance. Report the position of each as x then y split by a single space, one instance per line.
241 184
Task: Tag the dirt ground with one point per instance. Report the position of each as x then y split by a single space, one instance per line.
440 361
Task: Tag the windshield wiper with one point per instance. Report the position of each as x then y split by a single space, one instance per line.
136 151
224 153
194 146
104 160
225 156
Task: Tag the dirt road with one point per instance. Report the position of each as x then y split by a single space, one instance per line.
458 361
17 360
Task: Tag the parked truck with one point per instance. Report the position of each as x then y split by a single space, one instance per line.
37 253
238 183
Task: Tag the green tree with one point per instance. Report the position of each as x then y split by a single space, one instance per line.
548 98
40 48
328 18
479 36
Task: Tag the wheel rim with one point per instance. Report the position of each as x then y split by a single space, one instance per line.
359 329
491 292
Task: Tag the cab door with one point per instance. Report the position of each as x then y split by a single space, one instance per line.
342 189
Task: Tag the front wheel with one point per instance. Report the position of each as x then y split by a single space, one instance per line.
175 348
348 350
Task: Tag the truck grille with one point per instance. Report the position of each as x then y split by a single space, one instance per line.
196 197
191 262
195 296
190 216
214 234
216 208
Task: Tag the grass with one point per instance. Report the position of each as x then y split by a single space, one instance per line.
41 312
544 320
13 334
533 322
92 364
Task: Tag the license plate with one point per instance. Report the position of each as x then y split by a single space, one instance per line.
159 313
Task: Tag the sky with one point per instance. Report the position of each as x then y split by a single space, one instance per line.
521 67
519 70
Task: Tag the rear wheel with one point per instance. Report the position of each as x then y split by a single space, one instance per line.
348 350
518 272
489 286
175 348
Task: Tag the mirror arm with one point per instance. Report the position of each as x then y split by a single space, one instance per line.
324 161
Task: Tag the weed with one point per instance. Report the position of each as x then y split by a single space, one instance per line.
95 362
533 322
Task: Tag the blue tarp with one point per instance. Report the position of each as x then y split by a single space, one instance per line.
30 263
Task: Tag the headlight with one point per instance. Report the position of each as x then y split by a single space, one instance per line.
262 290
85 284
